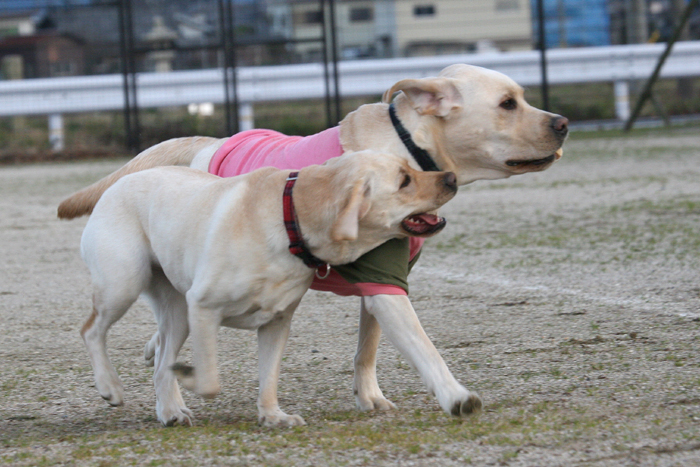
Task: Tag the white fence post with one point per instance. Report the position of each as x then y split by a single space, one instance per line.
56 132
622 100
246 119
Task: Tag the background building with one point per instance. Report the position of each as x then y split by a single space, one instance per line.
427 27
575 23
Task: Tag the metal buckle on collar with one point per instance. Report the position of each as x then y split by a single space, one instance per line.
328 271
295 177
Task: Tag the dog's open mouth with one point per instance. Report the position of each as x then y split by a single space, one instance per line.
536 162
531 162
423 224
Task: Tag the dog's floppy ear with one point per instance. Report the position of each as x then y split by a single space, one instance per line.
428 96
357 205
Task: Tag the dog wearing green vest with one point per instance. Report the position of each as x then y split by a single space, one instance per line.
468 120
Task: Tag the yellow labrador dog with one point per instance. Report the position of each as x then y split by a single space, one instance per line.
209 251
468 120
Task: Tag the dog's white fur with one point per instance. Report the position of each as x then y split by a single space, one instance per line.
466 119
208 251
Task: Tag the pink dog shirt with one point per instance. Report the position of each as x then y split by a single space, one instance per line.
253 149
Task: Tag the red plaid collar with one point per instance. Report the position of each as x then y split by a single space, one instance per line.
297 247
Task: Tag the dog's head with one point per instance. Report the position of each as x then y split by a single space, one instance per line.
362 199
479 119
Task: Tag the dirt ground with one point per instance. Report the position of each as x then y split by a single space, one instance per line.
569 299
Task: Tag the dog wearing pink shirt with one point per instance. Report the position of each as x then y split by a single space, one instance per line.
468 120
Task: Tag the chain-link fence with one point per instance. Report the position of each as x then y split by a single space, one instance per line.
157 39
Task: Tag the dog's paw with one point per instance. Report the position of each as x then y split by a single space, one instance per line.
368 396
180 416
111 390
281 420
113 398
465 403
374 403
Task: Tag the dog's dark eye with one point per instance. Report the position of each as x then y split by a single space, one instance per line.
406 181
509 104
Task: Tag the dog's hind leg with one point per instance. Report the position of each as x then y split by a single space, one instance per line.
119 264
368 396
170 309
108 307
272 338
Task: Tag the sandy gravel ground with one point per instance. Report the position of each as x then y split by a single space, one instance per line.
569 299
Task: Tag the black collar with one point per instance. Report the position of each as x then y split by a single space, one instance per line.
297 247
419 154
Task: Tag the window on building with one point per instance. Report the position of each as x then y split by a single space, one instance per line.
424 10
313 17
361 14
61 69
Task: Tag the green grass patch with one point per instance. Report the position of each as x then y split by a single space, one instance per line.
508 424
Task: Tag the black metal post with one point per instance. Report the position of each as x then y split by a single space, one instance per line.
326 71
334 57
232 62
125 72
226 22
132 65
543 55
126 45
324 56
224 49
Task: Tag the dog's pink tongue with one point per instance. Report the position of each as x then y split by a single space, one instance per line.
430 219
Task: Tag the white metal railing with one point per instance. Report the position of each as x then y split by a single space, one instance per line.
618 64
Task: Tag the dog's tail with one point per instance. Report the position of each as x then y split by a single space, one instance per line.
176 151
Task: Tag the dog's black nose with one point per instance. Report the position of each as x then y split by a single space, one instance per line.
560 125
450 180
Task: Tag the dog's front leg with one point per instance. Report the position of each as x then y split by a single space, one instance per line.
368 396
203 378
272 338
398 320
